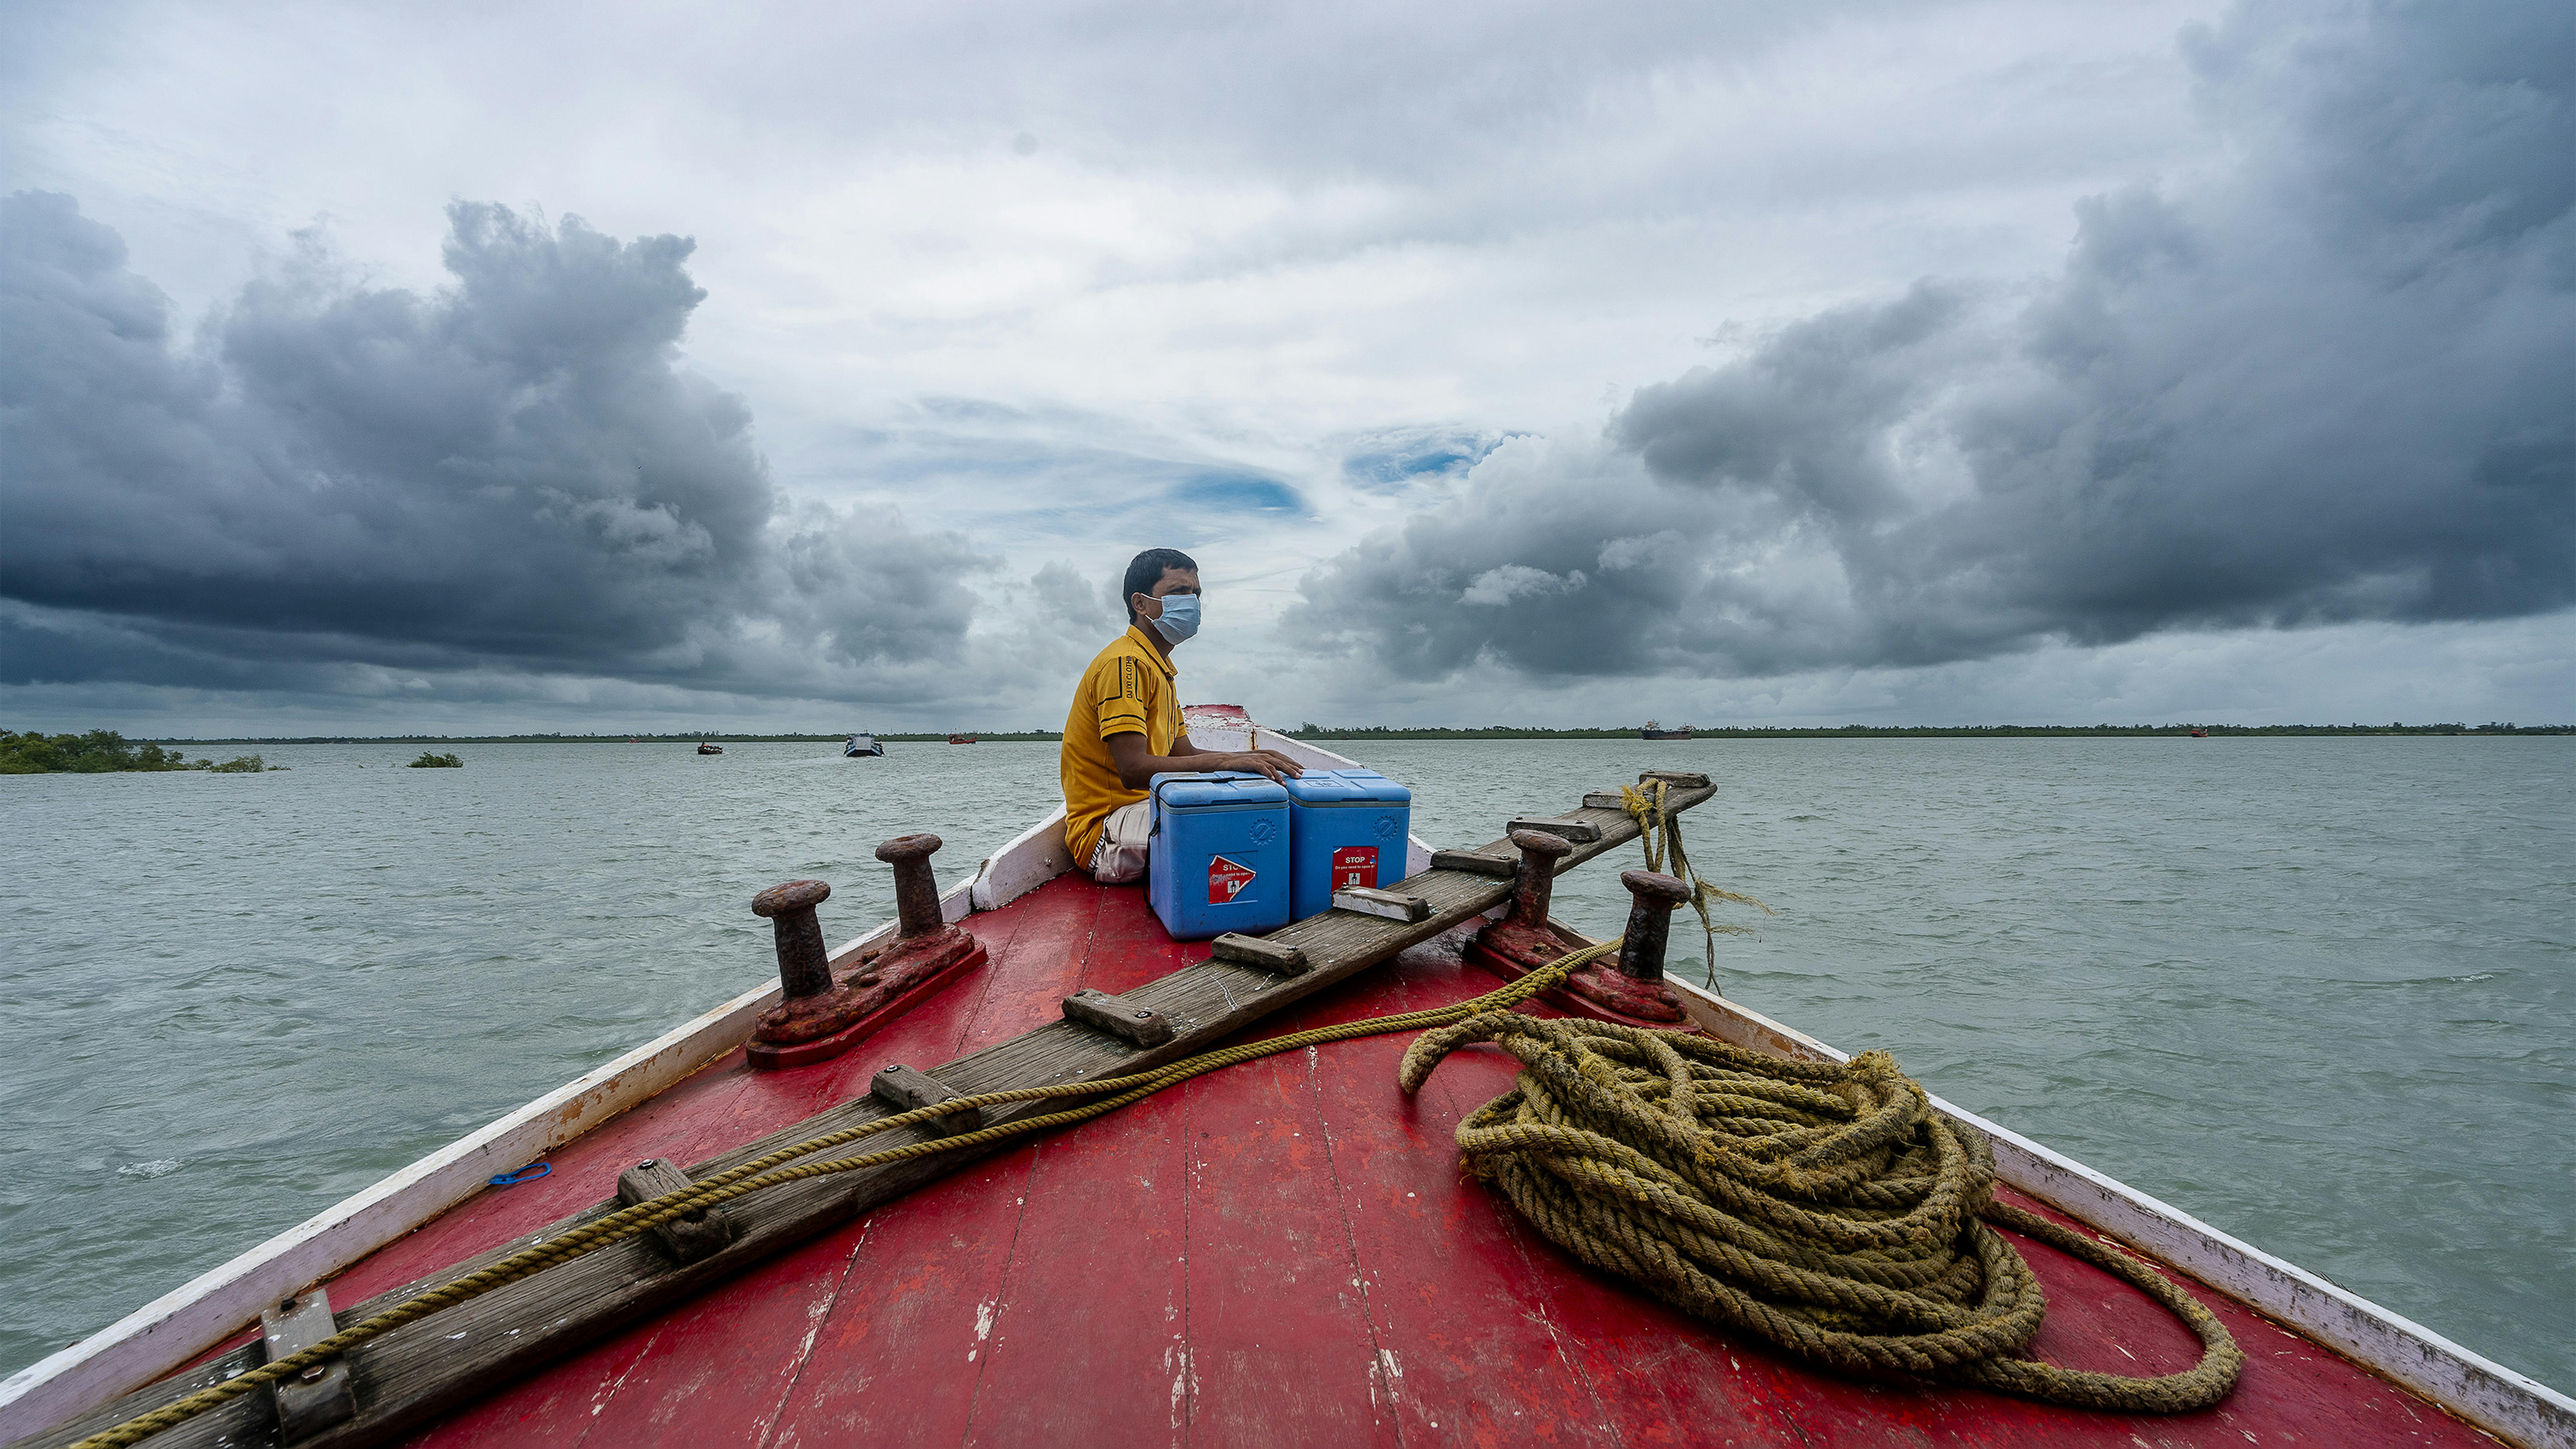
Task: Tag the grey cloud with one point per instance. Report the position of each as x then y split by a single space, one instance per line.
2331 384
512 473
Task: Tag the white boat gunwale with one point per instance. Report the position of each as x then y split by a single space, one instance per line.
171 1330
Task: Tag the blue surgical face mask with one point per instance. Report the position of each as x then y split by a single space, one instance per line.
1180 618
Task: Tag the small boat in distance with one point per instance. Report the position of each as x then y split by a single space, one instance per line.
705 748
961 739
1654 731
858 745
2200 734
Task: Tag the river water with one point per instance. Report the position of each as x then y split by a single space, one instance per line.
2316 992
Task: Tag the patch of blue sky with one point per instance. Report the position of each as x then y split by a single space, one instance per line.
1394 461
969 456
1237 492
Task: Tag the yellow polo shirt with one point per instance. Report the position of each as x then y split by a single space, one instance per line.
1127 690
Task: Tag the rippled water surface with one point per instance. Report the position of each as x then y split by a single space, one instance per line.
2316 992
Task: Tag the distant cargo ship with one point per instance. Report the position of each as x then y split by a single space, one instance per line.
1654 731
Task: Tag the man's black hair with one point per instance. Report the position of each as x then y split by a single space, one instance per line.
1146 570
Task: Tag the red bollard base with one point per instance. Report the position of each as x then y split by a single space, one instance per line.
902 977
1510 950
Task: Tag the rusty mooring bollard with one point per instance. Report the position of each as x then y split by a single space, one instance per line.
1534 875
822 1018
916 890
1652 897
804 966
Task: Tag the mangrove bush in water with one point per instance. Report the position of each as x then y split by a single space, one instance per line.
103 751
428 761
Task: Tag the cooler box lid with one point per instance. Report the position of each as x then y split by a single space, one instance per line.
1347 787
1218 789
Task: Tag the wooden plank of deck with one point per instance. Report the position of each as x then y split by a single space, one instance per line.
1281 1347
1466 1348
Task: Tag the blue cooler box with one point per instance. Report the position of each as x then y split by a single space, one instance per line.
1345 828
1219 858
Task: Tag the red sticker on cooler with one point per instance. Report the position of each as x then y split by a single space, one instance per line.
1355 865
1226 880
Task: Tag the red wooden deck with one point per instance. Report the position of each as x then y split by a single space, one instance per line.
1285 1252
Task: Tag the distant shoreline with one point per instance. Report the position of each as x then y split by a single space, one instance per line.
1492 732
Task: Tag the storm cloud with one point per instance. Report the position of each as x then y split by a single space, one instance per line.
2328 382
512 474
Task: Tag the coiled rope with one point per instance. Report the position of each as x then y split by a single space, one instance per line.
1827 1208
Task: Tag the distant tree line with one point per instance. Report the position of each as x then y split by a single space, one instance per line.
103 752
687 737
1946 732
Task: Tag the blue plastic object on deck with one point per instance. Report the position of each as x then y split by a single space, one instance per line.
1219 857
529 1173
1345 828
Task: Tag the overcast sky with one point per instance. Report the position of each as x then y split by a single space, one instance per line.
378 369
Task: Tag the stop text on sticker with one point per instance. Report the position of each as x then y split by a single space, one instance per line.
1226 880
1354 866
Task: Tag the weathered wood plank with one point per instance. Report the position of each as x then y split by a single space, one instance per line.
1140 1025
1392 905
1581 832
420 1370
1476 863
1254 951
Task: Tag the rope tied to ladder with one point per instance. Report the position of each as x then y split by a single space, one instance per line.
1826 1207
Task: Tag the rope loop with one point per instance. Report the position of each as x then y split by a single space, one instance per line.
1827 1208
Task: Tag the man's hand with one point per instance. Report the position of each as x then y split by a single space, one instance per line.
1264 762
1137 768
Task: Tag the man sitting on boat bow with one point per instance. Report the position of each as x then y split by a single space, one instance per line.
1125 724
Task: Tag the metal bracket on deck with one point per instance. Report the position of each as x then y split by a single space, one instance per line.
320 1396
1393 905
1253 951
904 1089
686 1239
1581 832
1118 1017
